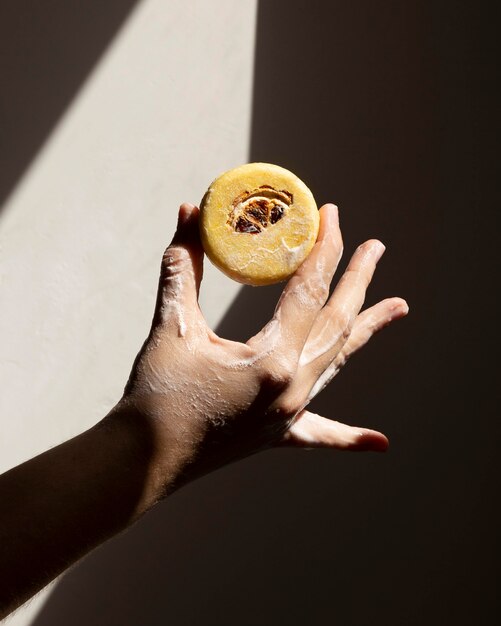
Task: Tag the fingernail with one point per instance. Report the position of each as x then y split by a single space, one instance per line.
335 212
185 211
402 308
379 249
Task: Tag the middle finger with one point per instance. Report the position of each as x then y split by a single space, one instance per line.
333 324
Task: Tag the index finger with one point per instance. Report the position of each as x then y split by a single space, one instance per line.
307 291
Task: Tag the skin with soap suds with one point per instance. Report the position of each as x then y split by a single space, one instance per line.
194 402
269 380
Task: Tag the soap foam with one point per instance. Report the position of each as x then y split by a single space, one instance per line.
323 380
180 270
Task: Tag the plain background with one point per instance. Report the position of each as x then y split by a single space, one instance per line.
387 109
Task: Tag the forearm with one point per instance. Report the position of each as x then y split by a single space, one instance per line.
58 506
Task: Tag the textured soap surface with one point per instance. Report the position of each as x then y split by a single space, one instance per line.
258 222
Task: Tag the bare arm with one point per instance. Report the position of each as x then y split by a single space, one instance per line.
194 402
59 505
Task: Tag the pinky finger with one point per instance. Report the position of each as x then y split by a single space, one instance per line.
368 323
314 431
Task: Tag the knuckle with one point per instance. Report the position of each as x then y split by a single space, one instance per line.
172 255
322 291
174 260
366 246
278 376
346 332
169 260
287 408
345 322
315 290
350 276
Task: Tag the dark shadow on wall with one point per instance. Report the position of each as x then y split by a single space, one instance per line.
386 109
48 50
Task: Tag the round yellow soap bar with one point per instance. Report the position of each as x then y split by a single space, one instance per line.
258 223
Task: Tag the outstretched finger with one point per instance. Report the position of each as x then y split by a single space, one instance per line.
334 323
370 322
318 373
314 431
367 323
181 273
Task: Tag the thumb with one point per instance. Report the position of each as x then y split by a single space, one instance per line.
181 270
313 431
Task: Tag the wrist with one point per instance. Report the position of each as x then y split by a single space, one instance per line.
153 454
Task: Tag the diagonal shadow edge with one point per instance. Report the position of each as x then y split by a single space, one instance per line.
48 51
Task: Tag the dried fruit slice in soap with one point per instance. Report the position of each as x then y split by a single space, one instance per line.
258 223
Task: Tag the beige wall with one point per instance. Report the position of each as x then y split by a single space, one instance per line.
165 110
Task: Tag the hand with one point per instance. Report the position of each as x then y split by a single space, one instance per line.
194 401
209 401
